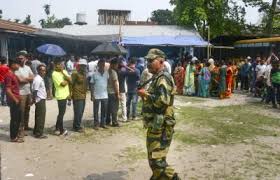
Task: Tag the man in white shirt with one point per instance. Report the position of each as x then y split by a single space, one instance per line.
167 67
39 98
70 65
25 77
260 69
92 66
268 81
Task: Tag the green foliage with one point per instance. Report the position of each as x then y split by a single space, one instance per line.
1 12
223 16
52 21
235 20
17 20
223 125
27 20
276 22
271 15
47 9
263 6
163 17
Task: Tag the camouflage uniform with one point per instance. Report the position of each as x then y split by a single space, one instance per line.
158 114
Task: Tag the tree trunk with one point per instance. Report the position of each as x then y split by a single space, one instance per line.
269 26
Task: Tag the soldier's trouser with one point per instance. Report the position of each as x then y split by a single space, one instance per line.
158 142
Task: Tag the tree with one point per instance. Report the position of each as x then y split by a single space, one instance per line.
234 22
60 23
218 14
163 17
47 9
269 10
17 20
52 21
27 20
48 23
1 12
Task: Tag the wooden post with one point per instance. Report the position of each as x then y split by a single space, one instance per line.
208 46
120 30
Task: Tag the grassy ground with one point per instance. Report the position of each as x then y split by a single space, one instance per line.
222 125
225 140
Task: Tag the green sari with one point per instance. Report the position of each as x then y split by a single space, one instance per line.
222 82
189 88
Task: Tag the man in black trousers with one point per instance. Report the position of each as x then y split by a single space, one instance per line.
13 98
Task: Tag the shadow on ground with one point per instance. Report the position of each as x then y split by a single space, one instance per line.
4 137
85 123
113 175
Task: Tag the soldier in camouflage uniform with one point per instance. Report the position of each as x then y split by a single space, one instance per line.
158 116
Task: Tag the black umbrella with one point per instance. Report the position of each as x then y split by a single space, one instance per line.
109 49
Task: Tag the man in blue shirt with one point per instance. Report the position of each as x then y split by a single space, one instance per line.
245 69
140 64
99 81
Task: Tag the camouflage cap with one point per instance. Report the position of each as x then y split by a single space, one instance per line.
155 53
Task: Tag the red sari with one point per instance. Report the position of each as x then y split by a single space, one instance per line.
179 76
229 78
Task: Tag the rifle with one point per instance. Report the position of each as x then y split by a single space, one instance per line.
142 85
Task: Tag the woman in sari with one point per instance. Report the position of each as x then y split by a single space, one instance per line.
215 78
234 77
204 80
212 64
179 75
222 81
189 88
229 78
198 67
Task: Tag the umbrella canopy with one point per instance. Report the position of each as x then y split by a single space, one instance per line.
109 49
51 49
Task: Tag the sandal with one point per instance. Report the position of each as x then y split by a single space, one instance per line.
20 140
17 140
14 140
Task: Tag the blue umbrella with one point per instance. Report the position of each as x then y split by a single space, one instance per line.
51 49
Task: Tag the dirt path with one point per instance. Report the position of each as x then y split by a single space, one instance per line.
119 154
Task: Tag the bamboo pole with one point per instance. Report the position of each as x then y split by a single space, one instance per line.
208 46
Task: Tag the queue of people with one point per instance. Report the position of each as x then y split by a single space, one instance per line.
112 83
205 78
260 77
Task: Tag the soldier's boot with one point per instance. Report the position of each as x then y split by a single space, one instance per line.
176 177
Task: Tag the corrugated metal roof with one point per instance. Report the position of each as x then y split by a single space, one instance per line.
17 27
96 38
127 30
